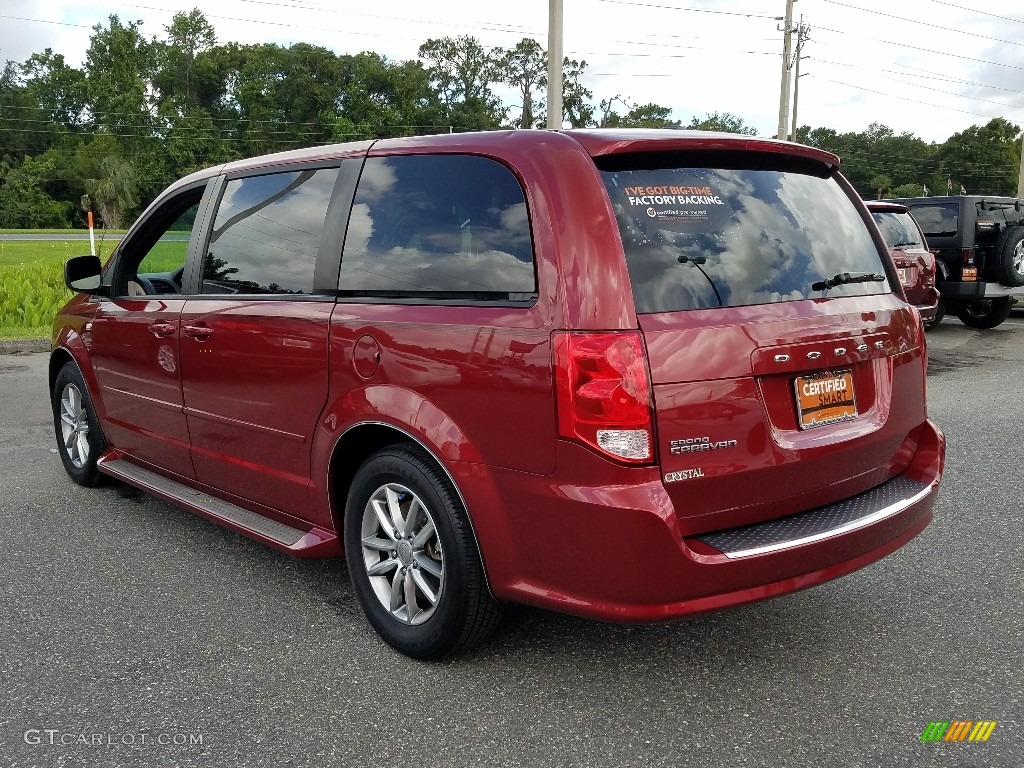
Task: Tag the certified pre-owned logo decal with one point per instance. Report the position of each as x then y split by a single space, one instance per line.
698 445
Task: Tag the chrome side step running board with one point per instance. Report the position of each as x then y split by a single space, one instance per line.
253 524
888 499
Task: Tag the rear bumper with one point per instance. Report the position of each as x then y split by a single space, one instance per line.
962 291
928 304
613 549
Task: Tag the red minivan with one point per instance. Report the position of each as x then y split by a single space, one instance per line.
632 375
915 264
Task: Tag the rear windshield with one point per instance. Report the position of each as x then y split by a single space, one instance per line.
898 229
697 238
938 220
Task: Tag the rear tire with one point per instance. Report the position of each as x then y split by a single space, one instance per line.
413 559
79 438
1010 257
985 313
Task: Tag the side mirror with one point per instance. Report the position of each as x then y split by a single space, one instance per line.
82 274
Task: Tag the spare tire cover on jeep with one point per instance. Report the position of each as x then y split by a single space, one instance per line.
1009 255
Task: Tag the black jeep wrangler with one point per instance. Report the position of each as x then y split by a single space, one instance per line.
978 242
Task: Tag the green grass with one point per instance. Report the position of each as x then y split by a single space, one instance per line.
23 252
58 232
30 295
32 286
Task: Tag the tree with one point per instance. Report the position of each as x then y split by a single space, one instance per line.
25 128
185 69
576 99
726 122
462 72
881 184
380 98
58 89
255 73
878 151
984 159
24 201
907 190
644 116
308 92
115 192
118 65
524 68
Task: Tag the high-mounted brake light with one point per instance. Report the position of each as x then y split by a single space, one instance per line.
604 394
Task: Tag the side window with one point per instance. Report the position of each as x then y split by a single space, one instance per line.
938 220
438 226
995 215
267 233
154 259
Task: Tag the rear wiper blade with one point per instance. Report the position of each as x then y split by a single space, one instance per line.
846 278
907 243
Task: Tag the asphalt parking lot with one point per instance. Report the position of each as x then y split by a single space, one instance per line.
135 634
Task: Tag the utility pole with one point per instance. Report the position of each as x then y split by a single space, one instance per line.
555 64
803 34
787 49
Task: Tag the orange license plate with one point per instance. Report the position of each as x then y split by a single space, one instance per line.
969 273
825 398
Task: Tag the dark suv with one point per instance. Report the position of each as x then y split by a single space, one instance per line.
632 375
978 242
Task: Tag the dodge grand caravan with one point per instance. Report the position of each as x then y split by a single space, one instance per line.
628 375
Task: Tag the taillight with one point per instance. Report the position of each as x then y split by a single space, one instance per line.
603 393
967 254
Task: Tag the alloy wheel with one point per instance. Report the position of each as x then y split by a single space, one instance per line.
74 425
402 553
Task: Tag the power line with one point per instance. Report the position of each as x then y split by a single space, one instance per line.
241 123
495 26
975 10
916 48
903 98
692 10
919 87
922 23
673 55
44 21
940 78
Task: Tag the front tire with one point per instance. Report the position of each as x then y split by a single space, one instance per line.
985 313
413 559
79 438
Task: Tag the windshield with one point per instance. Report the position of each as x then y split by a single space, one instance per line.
696 238
898 229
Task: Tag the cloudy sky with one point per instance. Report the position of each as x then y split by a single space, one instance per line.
929 67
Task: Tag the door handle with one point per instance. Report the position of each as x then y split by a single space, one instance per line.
160 330
198 332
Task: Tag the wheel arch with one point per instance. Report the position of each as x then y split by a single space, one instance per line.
358 443
59 357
